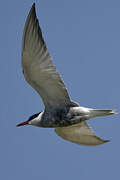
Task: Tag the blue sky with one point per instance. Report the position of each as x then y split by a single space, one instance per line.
83 38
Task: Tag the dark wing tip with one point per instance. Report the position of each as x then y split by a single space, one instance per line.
33 7
31 16
32 31
32 10
105 141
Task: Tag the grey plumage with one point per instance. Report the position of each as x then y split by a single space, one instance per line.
67 117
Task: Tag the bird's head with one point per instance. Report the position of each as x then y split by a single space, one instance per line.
33 120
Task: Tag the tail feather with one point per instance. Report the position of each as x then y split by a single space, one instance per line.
102 112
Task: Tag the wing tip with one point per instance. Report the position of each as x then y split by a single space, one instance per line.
32 11
33 5
106 141
33 8
30 17
101 141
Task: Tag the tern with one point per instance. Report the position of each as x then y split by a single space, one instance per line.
67 117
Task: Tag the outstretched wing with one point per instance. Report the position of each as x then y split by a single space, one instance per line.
80 133
38 68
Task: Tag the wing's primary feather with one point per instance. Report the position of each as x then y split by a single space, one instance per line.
38 68
80 133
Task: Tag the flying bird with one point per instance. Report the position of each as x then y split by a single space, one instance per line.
67 117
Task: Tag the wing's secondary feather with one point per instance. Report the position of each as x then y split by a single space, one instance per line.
38 68
80 133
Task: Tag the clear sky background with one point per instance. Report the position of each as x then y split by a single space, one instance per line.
83 37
